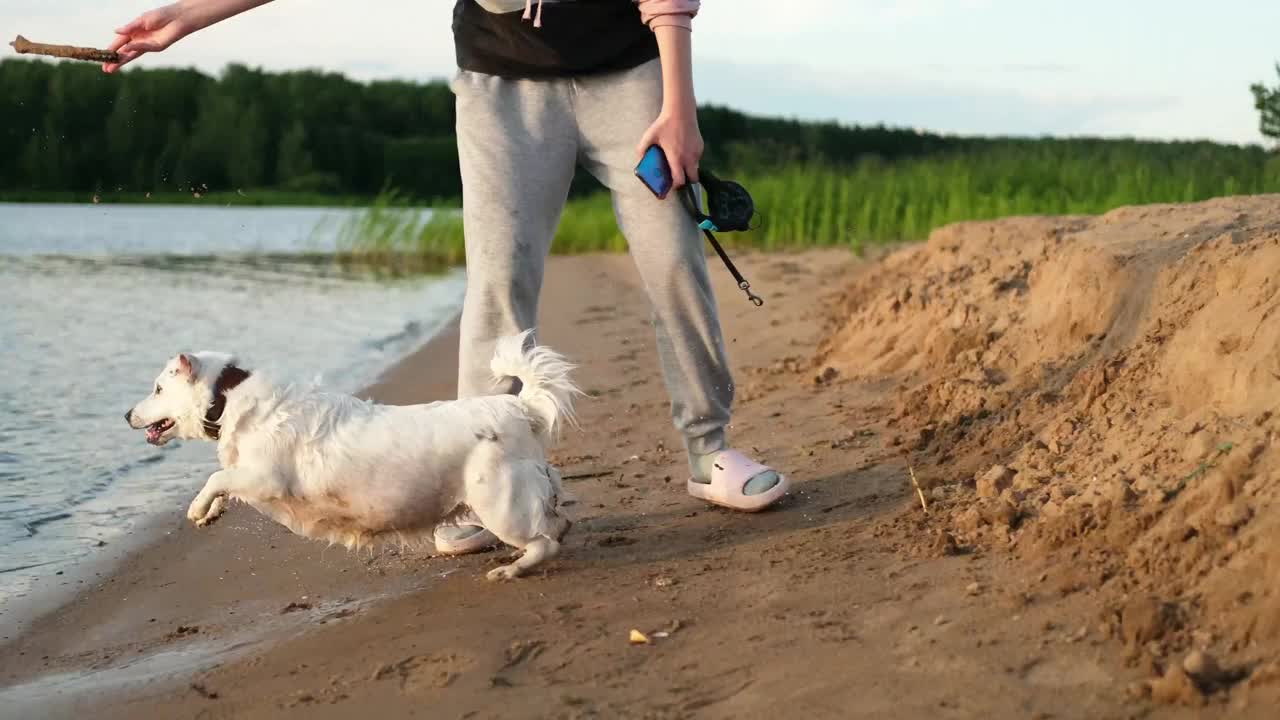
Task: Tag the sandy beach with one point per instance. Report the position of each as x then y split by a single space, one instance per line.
849 599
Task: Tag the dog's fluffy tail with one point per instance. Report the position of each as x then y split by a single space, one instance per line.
546 389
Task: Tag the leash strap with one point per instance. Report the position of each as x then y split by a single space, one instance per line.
690 197
742 282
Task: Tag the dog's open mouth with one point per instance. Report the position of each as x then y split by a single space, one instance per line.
157 429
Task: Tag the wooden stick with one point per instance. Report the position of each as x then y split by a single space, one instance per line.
25 46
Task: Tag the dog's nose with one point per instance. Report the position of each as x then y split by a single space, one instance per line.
128 416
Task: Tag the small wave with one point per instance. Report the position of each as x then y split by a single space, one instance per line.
33 526
19 568
176 259
102 482
306 264
411 329
322 265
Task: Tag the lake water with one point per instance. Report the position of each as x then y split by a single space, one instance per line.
95 298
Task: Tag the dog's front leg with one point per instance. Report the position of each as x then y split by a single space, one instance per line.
212 499
215 510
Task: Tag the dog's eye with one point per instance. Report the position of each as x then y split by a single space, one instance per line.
158 388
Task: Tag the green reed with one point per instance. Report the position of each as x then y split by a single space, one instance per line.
871 202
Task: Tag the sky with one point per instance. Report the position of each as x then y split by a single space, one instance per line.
1177 69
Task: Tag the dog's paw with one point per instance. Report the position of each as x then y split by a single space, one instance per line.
216 509
202 515
506 572
198 509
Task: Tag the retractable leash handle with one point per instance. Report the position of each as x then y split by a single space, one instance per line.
731 207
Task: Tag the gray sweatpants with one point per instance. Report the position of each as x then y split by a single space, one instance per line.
518 142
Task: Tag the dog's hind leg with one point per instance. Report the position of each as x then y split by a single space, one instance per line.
516 501
537 551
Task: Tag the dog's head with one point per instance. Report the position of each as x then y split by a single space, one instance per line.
188 398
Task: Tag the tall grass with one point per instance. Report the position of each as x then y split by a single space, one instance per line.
873 202
394 235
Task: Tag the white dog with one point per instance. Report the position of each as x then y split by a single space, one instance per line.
336 468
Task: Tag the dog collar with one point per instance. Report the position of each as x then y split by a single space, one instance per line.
230 377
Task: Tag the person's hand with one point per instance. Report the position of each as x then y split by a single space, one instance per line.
152 31
676 132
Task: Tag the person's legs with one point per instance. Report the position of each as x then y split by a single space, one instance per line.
517 148
613 112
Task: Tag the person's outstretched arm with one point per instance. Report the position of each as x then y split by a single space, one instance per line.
676 129
157 29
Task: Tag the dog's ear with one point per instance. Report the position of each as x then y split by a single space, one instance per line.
188 365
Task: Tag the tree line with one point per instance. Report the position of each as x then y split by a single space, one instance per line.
70 128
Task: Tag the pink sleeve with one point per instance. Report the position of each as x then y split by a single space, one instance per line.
664 13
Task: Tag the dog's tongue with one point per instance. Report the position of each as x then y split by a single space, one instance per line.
153 433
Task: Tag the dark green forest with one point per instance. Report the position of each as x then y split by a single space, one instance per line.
69 128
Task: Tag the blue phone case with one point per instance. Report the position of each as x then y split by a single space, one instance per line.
654 172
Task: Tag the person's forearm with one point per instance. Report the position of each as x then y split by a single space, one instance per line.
203 13
675 45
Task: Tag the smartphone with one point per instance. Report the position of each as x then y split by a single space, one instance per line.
654 172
